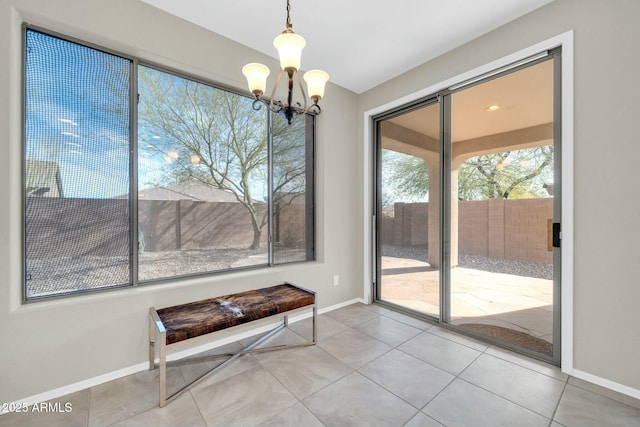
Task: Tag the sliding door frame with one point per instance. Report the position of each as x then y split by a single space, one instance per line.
553 55
563 106
376 204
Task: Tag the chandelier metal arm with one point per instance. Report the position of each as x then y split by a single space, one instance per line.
290 110
300 85
276 108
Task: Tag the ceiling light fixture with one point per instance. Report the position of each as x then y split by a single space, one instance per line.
289 47
491 108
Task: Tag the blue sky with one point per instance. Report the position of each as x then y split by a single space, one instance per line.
78 115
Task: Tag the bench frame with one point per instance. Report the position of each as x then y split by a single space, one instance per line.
157 334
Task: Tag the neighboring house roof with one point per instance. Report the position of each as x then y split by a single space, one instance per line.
42 178
187 191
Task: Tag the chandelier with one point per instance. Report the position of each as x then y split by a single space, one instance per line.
289 47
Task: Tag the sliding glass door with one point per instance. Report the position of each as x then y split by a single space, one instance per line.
467 208
409 209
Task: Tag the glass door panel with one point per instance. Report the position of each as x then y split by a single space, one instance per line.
502 208
408 210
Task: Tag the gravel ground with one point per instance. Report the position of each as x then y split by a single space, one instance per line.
47 277
508 266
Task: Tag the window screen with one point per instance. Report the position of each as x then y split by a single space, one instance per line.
76 167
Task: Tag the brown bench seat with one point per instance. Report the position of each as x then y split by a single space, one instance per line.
186 321
172 325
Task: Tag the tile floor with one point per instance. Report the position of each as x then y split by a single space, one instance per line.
371 367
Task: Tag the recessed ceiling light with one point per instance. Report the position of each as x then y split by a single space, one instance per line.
491 108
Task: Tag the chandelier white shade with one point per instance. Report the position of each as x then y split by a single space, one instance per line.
256 75
316 81
289 46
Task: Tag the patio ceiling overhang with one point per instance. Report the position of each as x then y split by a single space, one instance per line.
524 119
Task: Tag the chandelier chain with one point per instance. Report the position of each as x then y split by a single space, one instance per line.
288 17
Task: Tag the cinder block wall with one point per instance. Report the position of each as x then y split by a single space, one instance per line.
100 227
473 228
495 228
525 229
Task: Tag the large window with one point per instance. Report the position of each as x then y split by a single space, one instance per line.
209 184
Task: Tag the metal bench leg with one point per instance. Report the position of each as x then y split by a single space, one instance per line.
158 333
315 324
152 339
162 350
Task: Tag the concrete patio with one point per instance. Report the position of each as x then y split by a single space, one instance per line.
523 304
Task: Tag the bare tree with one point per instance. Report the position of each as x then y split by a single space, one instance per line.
216 138
406 176
508 174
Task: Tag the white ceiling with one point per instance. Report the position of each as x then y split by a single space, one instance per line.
360 43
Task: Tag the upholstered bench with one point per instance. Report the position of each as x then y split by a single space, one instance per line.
174 325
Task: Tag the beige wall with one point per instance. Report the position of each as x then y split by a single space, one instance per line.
52 344
606 341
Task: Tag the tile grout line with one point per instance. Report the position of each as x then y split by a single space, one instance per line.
89 405
357 370
193 399
390 345
457 342
300 401
508 400
419 410
135 414
555 411
322 388
502 397
457 376
526 367
600 394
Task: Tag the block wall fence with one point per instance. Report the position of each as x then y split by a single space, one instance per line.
495 228
100 227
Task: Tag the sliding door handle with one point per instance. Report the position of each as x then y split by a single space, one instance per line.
557 235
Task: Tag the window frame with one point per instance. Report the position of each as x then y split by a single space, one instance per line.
135 63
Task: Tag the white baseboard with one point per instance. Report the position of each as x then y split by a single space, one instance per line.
101 379
603 382
340 305
81 385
